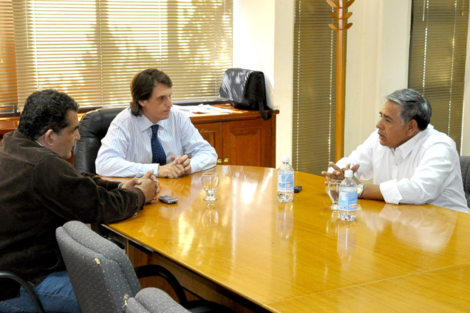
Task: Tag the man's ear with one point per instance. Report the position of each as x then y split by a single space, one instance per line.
142 103
50 137
412 128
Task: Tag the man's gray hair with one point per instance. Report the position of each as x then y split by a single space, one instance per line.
414 106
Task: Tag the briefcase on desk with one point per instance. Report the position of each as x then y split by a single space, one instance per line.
246 90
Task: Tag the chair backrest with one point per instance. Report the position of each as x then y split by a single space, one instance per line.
93 127
465 168
100 272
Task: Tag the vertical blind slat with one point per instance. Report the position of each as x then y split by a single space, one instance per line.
314 111
437 60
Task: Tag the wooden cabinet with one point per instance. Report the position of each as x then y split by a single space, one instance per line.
240 138
212 133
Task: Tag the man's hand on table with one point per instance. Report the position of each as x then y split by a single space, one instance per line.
148 183
338 173
369 192
185 161
181 165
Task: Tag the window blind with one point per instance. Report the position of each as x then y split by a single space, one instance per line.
8 90
314 103
437 60
92 49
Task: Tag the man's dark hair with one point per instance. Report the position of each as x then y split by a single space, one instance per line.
414 107
142 87
44 110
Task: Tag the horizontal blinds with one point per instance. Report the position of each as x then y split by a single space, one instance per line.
314 87
437 60
8 92
92 49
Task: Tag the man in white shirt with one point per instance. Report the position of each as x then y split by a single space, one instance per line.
151 134
409 161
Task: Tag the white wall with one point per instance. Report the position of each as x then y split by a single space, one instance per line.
284 73
377 63
253 37
378 57
263 39
466 104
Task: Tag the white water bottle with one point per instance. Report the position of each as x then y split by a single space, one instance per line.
348 197
285 181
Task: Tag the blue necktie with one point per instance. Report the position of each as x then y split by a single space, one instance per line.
158 154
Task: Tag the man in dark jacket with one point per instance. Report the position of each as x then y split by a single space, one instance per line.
40 191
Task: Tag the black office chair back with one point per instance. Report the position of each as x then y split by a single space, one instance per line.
93 127
465 168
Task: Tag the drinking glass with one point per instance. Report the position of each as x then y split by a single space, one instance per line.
333 192
210 182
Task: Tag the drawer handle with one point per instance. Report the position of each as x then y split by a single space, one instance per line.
226 160
219 161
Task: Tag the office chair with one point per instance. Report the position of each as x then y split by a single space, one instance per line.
26 286
105 281
465 168
93 127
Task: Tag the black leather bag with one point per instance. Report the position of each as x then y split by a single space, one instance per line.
246 90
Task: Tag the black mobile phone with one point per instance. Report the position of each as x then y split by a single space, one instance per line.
168 199
297 189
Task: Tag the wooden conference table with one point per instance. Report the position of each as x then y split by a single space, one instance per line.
300 257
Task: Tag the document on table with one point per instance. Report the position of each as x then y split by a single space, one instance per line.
201 108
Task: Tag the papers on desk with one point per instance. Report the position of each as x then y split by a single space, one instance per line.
202 108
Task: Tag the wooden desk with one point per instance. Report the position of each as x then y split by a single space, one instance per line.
299 257
240 138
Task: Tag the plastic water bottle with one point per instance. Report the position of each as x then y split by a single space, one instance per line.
348 197
285 181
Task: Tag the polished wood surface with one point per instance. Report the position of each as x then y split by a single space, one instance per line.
236 115
299 257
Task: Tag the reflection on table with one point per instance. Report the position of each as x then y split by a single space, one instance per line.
300 257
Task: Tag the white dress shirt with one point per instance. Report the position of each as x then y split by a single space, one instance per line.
126 149
424 169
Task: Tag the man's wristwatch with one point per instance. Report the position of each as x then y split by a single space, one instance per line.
360 189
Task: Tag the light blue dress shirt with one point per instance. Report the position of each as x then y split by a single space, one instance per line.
126 149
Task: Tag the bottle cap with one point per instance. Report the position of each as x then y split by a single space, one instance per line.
285 158
348 173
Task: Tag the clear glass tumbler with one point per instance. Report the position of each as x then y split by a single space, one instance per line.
210 182
333 192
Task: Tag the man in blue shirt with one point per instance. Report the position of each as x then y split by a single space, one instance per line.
151 134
